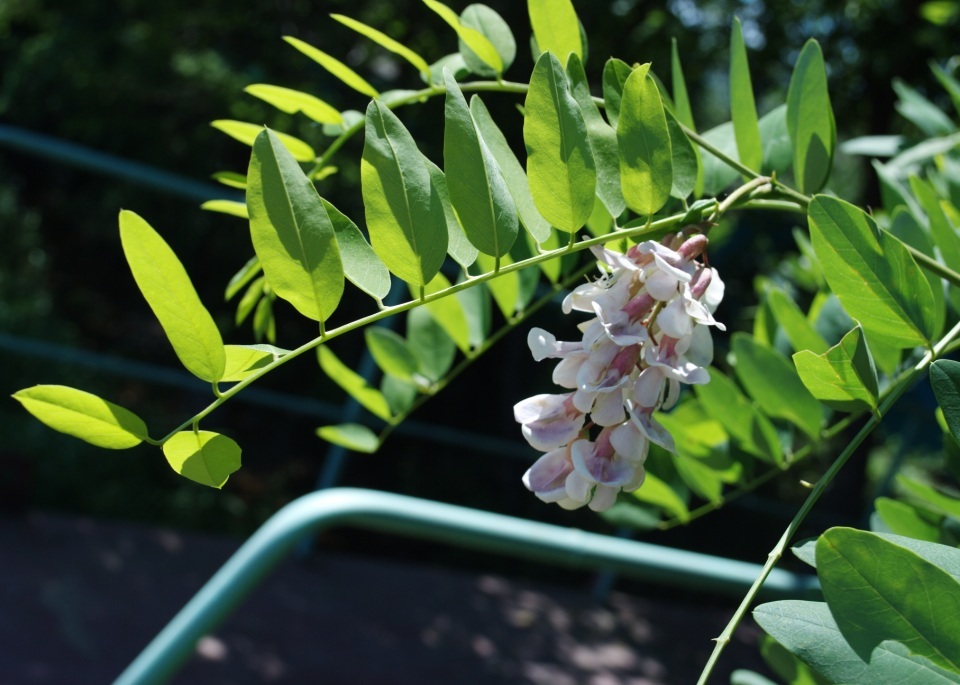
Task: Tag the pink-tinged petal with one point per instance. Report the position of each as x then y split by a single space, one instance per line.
549 421
714 294
579 488
619 327
599 463
604 497
629 442
544 344
608 409
680 270
693 247
549 473
583 400
655 432
674 320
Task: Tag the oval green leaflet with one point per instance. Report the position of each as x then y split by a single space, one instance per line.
203 456
646 157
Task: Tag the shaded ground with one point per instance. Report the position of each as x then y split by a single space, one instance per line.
79 599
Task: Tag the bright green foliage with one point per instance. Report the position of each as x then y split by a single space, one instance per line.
917 605
434 349
556 27
787 666
293 101
247 133
335 67
798 329
505 289
449 312
385 41
772 382
615 74
202 456
904 519
513 174
391 352
408 230
492 26
930 497
560 164
231 207
844 377
353 436
810 120
871 272
686 160
291 231
458 245
477 189
603 140
170 294
659 493
245 360
361 265
743 109
83 415
472 38
753 432
646 159
353 383
945 379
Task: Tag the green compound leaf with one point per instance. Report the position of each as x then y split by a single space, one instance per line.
292 234
930 497
293 101
615 74
945 379
505 288
879 591
408 229
773 383
603 140
231 207
496 30
787 666
247 133
168 290
245 360
686 160
944 234
943 557
353 436
449 312
385 41
872 274
810 120
844 377
334 66
904 519
477 189
513 173
560 164
753 432
702 460
743 108
798 329
808 630
243 277
556 27
83 415
430 343
203 456
646 158
458 246
659 493
391 352
353 383
478 43
361 265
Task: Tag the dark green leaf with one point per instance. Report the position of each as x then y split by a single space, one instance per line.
434 349
810 120
458 246
945 379
615 73
798 329
391 352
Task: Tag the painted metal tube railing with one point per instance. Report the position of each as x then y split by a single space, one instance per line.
387 512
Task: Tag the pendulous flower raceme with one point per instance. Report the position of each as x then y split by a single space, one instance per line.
651 308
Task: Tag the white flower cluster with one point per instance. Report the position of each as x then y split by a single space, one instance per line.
651 308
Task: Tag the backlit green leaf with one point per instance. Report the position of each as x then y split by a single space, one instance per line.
787 666
903 519
930 497
556 28
603 140
615 74
844 377
83 415
771 380
872 274
878 591
293 101
476 41
560 164
434 349
686 160
361 265
353 436
168 290
512 171
202 456
390 351
496 30
231 207
458 246
477 189
723 401
810 120
945 379
405 218
244 360
449 312
334 66
291 231
385 41
646 159
505 288
702 459
657 492
245 275
247 133
743 108
353 383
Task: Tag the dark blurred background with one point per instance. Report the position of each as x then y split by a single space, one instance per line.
141 80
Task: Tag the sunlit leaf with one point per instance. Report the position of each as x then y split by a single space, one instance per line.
391 352
646 159
245 360
245 275
615 74
903 519
505 288
353 383
556 27
843 377
478 43
167 289
83 415
203 456
385 41
449 312
798 329
353 436
361 265
293 101
496 30
458 245
334 66
231 207
686 160
810 120
247 133
743 108
657 492
723 401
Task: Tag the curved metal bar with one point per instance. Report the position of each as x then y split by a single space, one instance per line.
387 512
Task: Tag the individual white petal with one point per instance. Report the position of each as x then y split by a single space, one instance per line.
565 373
547 476
681 271
701 314
604 497
579 488
638 477
674 320
583 400
608 408
661 285
714 294
544 344
548 422
700 351
629 442
611 258
672 394
570 504
609 469
649 386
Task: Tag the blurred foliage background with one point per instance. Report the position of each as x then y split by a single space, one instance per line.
141 80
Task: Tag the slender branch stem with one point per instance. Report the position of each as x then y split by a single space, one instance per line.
817 491
719 154
934 267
